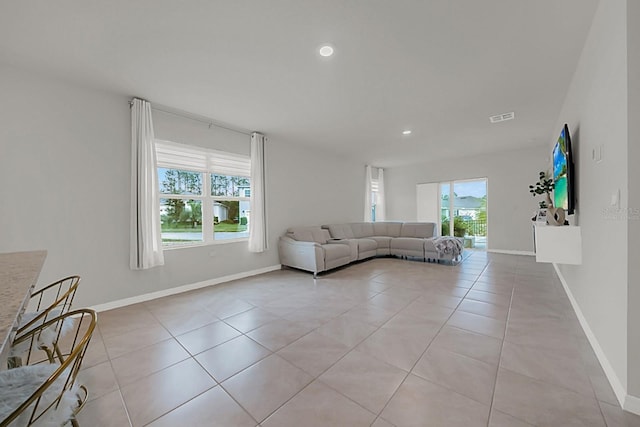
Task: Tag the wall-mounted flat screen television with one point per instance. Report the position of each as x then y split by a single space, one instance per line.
564 173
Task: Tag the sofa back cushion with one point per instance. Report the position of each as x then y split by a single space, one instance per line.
362 229
419 229
389 229
340 231
307 234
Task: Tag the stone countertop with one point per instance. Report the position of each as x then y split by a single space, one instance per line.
19 273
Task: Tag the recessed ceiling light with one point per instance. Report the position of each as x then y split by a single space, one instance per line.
406 132
326 50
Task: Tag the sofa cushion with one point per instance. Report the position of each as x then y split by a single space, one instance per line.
334 251
418 229
390 229
340 231
308 234
429 246
407 246
366 245
301 235
319 235
362 229
384 242
408 243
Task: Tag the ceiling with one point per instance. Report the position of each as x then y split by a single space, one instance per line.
437 67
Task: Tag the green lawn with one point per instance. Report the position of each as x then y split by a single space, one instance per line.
221 227
196 229
229 227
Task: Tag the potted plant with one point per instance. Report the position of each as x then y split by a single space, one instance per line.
543 186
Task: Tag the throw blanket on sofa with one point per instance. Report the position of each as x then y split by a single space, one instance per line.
448 245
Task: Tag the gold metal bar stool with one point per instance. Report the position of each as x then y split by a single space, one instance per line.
45 393
45 304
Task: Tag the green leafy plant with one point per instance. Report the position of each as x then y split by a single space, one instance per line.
544 185
459 226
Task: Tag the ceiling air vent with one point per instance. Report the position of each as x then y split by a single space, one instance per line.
502 117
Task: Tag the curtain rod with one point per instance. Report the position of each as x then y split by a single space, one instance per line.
197 118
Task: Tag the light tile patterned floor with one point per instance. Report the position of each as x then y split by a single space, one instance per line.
386 342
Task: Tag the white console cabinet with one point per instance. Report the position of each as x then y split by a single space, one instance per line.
560 245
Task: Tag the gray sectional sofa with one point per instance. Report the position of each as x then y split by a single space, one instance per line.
321 248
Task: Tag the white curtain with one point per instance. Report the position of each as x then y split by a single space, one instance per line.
146 241
257 227
381 206
367 194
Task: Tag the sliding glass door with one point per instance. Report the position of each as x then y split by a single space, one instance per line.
463 208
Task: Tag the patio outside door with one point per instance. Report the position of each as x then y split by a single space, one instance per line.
463 204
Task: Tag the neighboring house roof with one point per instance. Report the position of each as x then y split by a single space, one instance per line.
468 202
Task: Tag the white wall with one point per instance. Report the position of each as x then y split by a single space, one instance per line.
596 110
176 128
311 188
510 206
633 160
65 173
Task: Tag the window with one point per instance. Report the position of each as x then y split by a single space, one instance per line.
204 194
230 206
374 207
374 198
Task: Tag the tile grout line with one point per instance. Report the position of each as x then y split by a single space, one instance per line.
180 405
275 353
500 361
495 384
314 378
317 378
174 337
426 349
190 356
574 338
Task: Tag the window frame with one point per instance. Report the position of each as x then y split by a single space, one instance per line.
206 199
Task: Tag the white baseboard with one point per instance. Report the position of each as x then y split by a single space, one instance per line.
627 402
509 252
632 404
180 289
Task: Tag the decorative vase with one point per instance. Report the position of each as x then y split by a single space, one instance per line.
555 216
